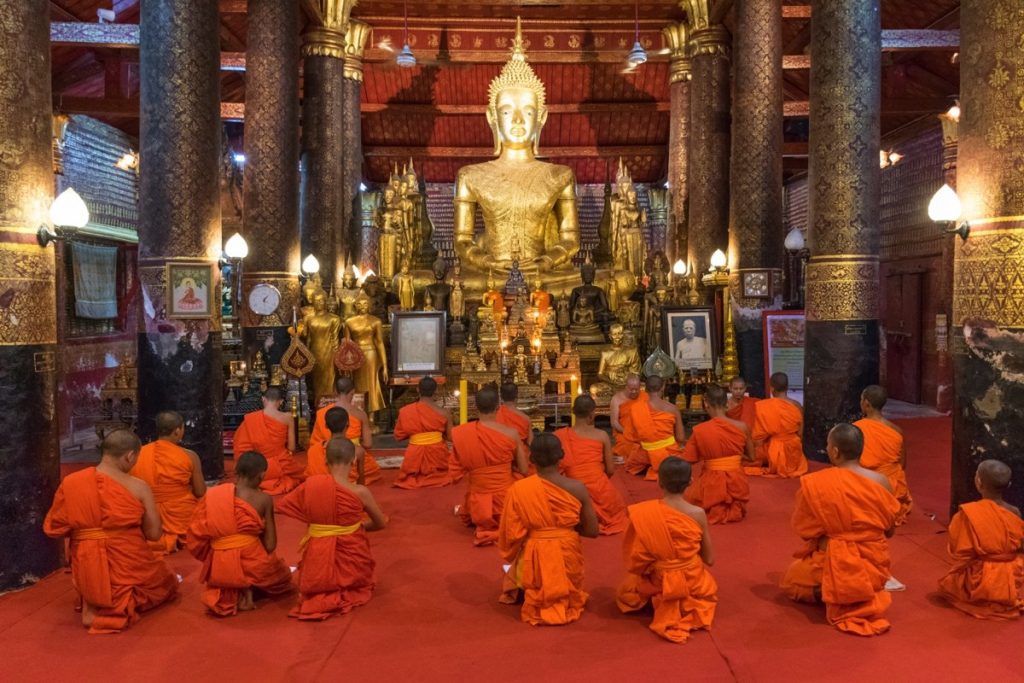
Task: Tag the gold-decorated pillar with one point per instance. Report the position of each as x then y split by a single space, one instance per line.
677 39
29 456
179 354
271 187
987 335
356 36
842 344
944 305
755 197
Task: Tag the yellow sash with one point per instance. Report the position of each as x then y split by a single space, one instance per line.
657 445
729 463
326 531
552 533
425 439
90 534
233 541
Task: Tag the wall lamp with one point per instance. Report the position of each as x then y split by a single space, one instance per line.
68 214
944 209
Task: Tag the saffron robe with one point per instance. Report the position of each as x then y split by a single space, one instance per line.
627 443
721 488
664 567
584 461
656 431
167 468
778 425
225 536
425 464
371 470
745 411
987 580
336 570
882 448
261 433
487 455
511 418
843 517
113 569
316 451
538 538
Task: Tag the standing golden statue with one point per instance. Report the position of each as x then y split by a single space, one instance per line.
389 222
349 291
404 287
628 222
321 333
367 331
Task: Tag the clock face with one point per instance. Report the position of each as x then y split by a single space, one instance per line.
264 299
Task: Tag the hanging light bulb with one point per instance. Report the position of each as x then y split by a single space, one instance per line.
638 55
406 59
69 211
236 248
310 265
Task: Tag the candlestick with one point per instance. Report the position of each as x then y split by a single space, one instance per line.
463 401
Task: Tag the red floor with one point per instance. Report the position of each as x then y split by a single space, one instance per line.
435 616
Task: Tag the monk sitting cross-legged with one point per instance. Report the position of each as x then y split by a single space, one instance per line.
721 444
109 515
487 450
544 517
336 570
845 514
884 450
741 407
360 433
427 427
666 549
778 433
659 426
588 458
234 536
987 581
627 449
271 431
175 476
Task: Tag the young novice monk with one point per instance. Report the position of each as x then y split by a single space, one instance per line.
741 407
271 431
667 547
659 426
366 470
884 451
427 426
778 433
334 423
545 514
336 570
987 581
234 536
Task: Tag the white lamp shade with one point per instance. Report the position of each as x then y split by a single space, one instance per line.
718 259
954 112
944 206
236 247
69 211
679 268
310 265
795 240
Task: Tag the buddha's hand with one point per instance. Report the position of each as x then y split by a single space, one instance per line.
544 263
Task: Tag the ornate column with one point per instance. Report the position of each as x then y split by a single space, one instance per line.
944 390
755 204
322 192
708 173
29 456
355 42
676 37
271 207
842 348
987 338
179 224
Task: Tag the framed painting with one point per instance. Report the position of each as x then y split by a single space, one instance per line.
190 289
784 346
689 336
418 342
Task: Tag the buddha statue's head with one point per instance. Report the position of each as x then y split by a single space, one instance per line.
616 333
440 268
348 279
319 301
490 280
362 304
516 110
588 271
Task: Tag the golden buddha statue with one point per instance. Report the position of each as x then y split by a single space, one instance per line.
540 299
388 220
349 291
616 364
321 333
628 221
404 287
367 331
493 300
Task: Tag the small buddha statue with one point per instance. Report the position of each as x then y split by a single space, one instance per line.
439 291
259 365
589 306
562 317
333 305
520 375
428 302
540 299
615 365
403 285
494 300
388 220
457 302
519 312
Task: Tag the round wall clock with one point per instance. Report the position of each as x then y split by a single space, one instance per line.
264 299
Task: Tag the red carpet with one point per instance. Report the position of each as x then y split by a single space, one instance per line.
435 616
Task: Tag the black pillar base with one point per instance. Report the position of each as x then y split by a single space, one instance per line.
188 380
750 353
29 463
841 359
272 341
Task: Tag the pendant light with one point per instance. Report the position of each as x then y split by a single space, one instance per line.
638 55
406 59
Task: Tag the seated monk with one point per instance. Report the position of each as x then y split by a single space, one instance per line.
487 450
175 476
987 580
741 407
544 517
234 536
659 426
627 449
722 445
884 450
778 433
667 546
509 415
845 514
271 431
427 426
109 515
360 433
335 423
336 568
588 458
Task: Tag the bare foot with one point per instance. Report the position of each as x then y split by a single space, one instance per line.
245 602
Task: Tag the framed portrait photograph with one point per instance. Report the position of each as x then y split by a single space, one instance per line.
417 342
689 336
190 290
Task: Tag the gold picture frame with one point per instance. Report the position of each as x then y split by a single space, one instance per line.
190 290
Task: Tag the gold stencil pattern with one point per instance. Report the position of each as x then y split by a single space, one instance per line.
988 278
28 295
842 288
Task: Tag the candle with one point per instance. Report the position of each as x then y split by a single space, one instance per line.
463 401
574 388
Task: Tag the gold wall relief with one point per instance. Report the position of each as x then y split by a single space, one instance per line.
842 287
988 277
28 295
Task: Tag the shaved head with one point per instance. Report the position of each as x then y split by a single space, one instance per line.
427 387
779 382
654 384
633 386
674 474
994 475
336 420
251 465
875 396
273 395
487 400
848 441
167 422
715 396
546 450
340 452
583 406
344 385
119 443
509 392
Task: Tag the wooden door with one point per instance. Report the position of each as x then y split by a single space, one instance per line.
903 350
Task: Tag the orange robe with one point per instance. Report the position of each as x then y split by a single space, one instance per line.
261 433
538 538
225 536
664 567
987 581
167 468
336 571
584 461
113 569
882 448
371 470
627 443
721 488
426 458
656 431
316 451
510 418
843 518
745 411
487 455
778 425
